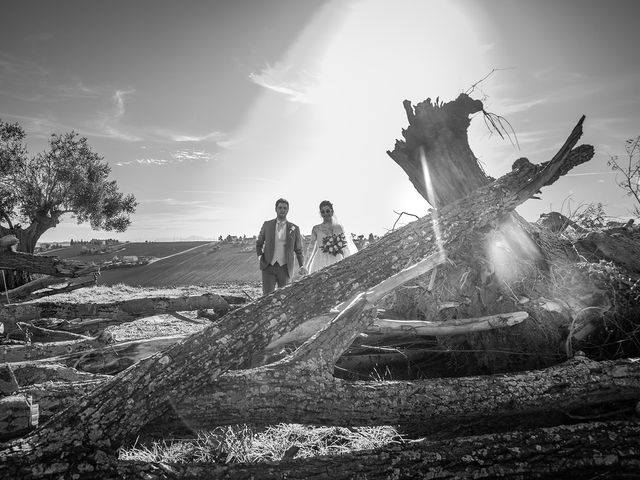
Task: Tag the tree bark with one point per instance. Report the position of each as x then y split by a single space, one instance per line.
384 328
85 436
124 310
594 450
27 239
26 291
91 355
622 249
42 264
436 407
436 149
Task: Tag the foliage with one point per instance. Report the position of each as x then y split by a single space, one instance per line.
629 170
590 216
68 177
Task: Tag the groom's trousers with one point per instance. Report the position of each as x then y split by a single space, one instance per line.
273 275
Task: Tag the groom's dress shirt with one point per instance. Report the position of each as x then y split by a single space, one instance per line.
280 241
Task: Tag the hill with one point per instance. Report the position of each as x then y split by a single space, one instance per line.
177 264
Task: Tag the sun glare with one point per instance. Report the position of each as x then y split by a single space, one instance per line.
507 250
431 193
350 69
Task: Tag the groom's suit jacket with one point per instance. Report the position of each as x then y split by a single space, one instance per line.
266 242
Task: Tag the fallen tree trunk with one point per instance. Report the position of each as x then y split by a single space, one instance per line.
122 311
26 291
94 326
271 395
31 373
54 266
593 450
93 355
141 393
618 248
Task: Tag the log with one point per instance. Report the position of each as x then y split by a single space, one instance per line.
86 326
141 393
122 311
93 356
270 395
30 373
32 333
26 292
54 266
622 249
438 406
594 450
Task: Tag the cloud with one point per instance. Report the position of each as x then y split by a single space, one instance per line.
588 174
118 100
283 79
179 156
191 154
511 106
213 136
108 122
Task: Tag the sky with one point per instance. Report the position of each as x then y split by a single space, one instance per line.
209 111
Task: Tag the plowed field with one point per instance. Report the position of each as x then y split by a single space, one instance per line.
198 263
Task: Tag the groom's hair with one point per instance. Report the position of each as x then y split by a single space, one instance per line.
281 200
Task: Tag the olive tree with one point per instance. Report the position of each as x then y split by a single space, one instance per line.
68 177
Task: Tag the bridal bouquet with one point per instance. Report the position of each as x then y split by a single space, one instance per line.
334 243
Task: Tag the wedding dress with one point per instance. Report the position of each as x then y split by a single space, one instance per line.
323 253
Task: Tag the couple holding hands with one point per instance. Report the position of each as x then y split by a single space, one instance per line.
279 241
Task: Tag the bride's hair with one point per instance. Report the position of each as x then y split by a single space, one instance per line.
326 203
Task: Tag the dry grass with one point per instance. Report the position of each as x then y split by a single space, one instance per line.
240 444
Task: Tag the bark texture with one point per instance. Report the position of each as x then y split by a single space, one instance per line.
122 311
436 149
594 450
54 266
274 394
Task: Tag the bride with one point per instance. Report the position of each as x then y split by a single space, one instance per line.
330 242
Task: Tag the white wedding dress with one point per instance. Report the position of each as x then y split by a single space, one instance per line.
320 259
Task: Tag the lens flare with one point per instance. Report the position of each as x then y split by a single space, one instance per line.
429 186
509 250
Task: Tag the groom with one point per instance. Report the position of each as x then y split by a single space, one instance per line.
277 242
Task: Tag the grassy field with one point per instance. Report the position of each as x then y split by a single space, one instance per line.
177 264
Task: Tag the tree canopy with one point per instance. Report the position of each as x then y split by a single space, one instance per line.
68 177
